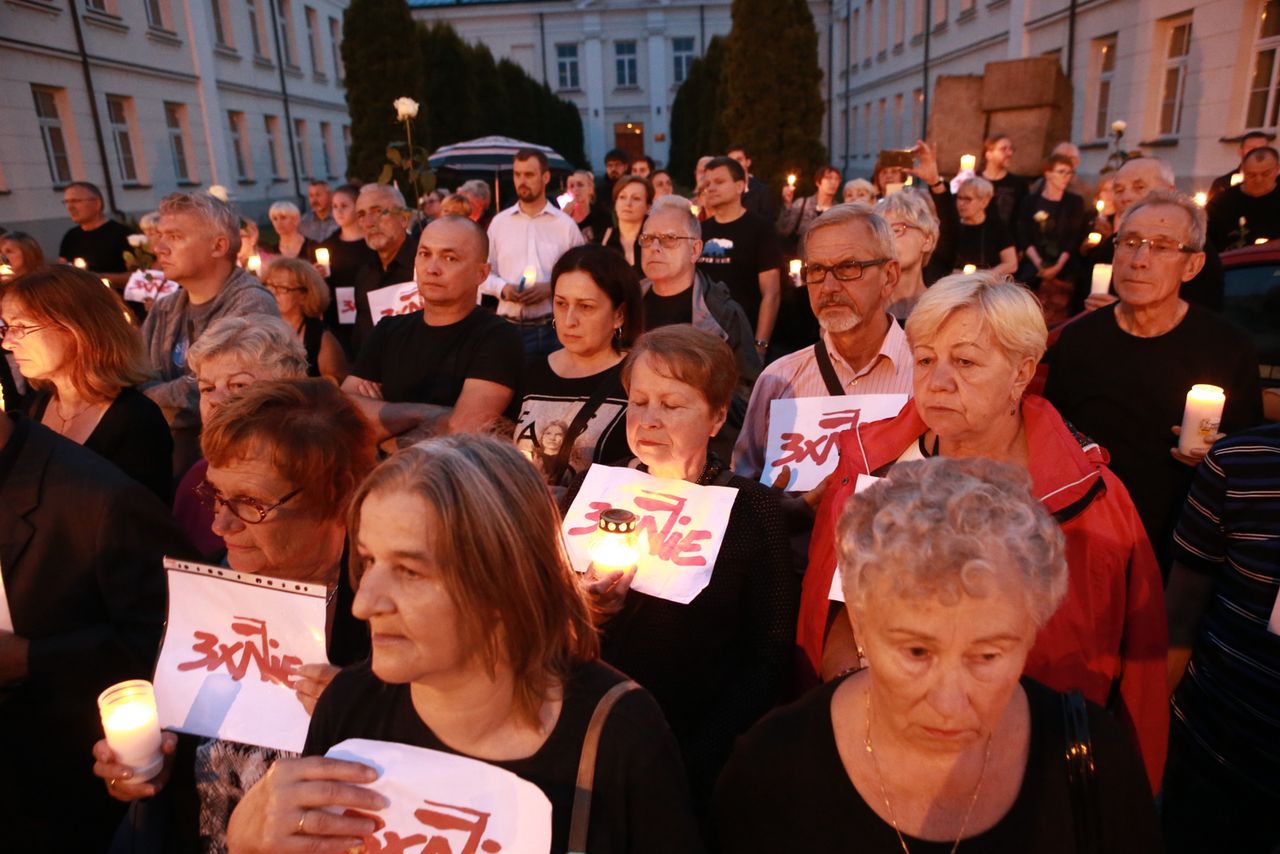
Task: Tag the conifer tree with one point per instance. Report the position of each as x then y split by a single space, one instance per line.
696 121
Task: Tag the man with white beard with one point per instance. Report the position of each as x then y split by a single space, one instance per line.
850 269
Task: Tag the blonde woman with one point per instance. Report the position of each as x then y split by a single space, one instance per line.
303 297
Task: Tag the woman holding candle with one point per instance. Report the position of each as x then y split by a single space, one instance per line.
482 647
70 340
718 663
977 341
1051 226
303 298
796 213
285 459
22 253
632 196
591 220
291 243
983 240
595 297
347 251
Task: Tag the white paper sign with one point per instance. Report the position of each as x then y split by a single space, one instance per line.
230 647
680 530
6 618
803 430
394 299
148 284
1273 625
449 804
837 588
346 298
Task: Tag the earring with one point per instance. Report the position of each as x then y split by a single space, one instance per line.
617 333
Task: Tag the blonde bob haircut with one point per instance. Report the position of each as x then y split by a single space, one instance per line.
495 534
254 339
945 528
107 352
302 274
1008 309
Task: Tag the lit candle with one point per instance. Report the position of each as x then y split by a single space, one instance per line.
1101 282
968 163
81 263
322 257
613 545
2 398
693 209
530 277
254 264
908 182
794 269
1237 178
791 180
1202 199
891 188
106 281
132 726
1094 238
970 268
5 271
1201 418
1100 205
1259 241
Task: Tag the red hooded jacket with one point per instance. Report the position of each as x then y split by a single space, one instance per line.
1108 638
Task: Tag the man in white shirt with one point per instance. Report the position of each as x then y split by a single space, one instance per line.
525 241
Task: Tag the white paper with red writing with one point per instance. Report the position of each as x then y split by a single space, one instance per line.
148 284
230 647
803 430
346 298
447 804
394 299
680 531
837 586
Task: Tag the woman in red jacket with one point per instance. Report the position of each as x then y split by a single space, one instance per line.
976 341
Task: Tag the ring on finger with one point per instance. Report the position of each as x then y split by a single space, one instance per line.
302 821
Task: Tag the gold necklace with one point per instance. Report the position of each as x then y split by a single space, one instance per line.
884 795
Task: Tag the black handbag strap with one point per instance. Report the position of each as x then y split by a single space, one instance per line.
826 368
1081 773
576 428
580 818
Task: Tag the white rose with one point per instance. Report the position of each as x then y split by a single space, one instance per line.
1119 126
137 240
219 192
1040 216
406 109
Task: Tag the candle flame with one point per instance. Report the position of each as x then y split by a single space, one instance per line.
794 266
970 268
1100 205
1095 238
322 256
1259 241
1202 199
1236 178
791 180
254 264
80 263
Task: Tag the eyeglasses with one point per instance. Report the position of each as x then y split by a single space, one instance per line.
283 289
247 510
376 213
18 332
845 271
666 241
1160 247
900 228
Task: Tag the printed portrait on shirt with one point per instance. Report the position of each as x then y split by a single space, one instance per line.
543 428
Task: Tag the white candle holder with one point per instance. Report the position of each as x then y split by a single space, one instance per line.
1201 417
132 726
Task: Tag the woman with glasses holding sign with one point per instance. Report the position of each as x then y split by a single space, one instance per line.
484 654
285 458
573 406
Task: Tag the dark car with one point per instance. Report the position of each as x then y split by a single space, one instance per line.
1251 299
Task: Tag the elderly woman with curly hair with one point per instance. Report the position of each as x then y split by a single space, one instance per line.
976 341
950 567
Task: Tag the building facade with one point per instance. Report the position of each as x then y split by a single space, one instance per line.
146 97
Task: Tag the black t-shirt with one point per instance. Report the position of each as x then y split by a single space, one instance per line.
552 402
786 789
1009 193
980 244
736 253
371 277
639 804
1261 215
102 248
667 311
428 364
346 257
1126 393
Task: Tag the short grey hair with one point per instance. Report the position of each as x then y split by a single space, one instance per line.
389 190
980 185
1009 310
216 213
1163 170
947 528
912 207
285 208
1173 199
254 339
843 216
860 184
679 204
479 189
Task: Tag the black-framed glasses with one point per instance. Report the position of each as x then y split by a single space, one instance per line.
845 271
251 511
18 331
284 289
1159 246
666 241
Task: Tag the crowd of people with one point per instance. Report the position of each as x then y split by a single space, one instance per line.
1016 616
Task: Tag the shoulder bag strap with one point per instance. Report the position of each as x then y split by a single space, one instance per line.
581 817
827 369
576 428
1081 773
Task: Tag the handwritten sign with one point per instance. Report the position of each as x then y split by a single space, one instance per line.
442 803
394 299
146 285
681 527
837 587
230 648
346 298
803 431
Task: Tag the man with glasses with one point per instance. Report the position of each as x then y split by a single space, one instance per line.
1249 211
850 270
381 212
99 241
1121 374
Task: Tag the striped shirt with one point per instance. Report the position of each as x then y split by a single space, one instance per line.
797 375
1228 704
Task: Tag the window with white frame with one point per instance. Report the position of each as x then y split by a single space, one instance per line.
881 123
899 23
567 66
302 146
289 45
55 143
335 45
1263 103
155 14
97 6
221 32
967 6
313 41
855 28
175 121
1177 54
682 54
870 35
255 28
897 121
625 57
866 129
882 44
271 125
917 114
121 142
239 144
326 148
940 12
917 21
1104 59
